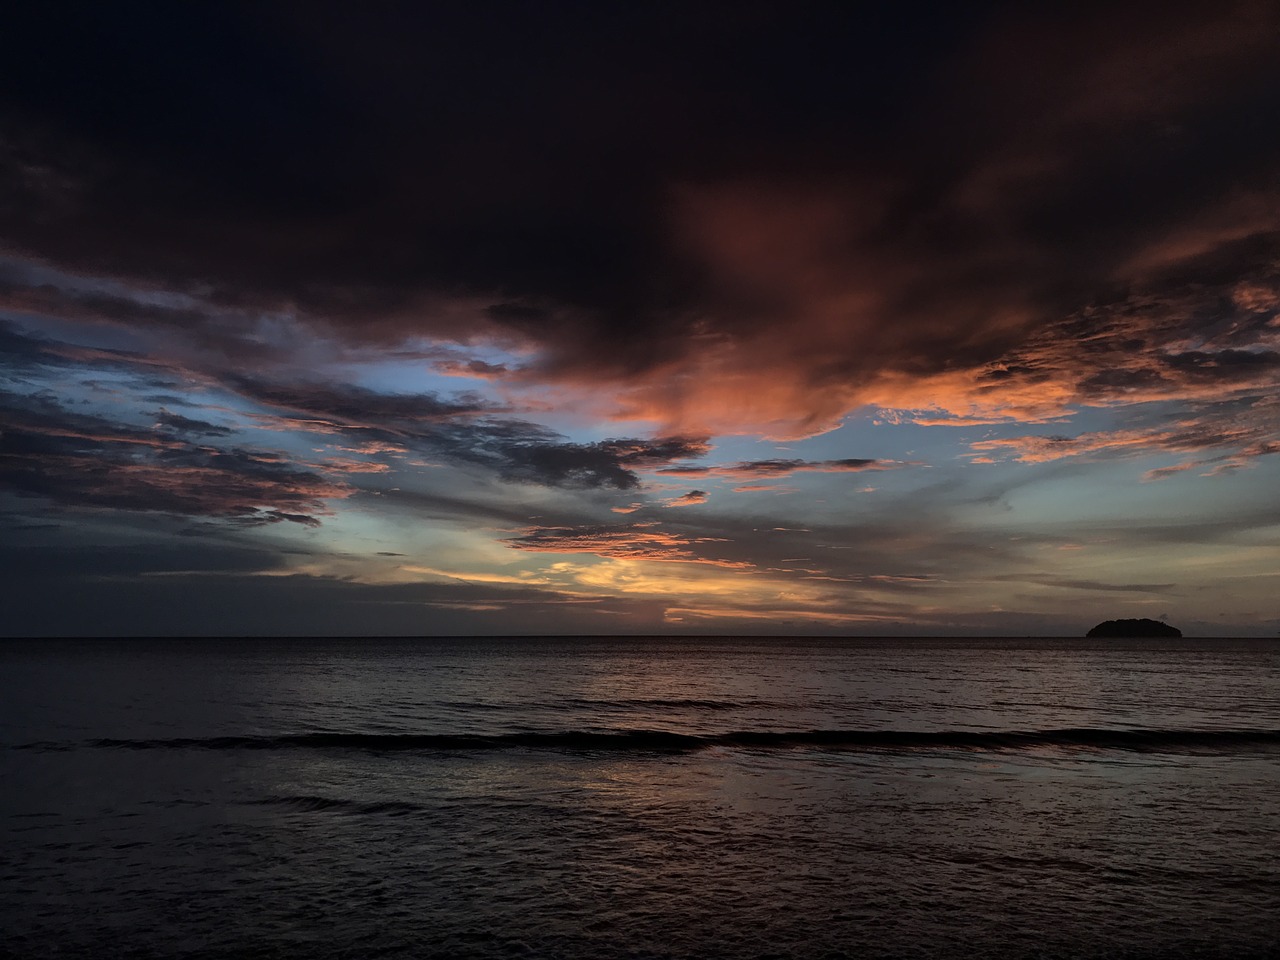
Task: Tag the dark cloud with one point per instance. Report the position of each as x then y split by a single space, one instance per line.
81 460
188 425
344 116
609 463
462 427
20 350
472 368
767 218
29 291
757 469
1055 223
347 405
691 499
465 430
34 422
22 355
169 400
1176 339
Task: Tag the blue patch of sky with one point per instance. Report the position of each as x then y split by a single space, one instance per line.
75 332
414 375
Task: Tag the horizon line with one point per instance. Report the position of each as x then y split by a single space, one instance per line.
616 636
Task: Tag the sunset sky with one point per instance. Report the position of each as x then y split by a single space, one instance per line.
531 318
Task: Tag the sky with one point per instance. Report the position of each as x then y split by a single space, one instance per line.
581 318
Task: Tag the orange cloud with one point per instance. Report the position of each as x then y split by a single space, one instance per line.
350 465
690 499
631 542
988 295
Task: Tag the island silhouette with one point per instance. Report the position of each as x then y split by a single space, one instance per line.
1134 628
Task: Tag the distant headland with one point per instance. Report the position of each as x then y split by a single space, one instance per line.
1134 628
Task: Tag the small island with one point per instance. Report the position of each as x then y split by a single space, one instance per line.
1134 628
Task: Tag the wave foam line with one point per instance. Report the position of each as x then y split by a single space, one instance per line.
654 741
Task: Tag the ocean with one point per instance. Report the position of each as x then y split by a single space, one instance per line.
640 798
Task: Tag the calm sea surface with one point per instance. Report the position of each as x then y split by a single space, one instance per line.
640 798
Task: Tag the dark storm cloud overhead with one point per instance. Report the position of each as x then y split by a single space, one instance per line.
794 211
482 117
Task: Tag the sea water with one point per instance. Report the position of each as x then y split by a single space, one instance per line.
640 797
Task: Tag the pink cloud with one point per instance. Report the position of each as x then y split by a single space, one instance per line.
1250 431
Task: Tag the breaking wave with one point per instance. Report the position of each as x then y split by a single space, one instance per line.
655 741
